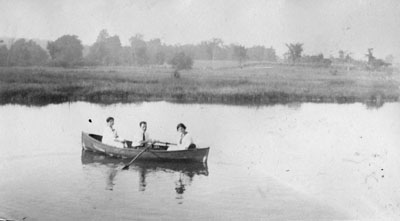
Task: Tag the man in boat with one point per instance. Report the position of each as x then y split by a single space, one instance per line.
142 137
185 139
110 135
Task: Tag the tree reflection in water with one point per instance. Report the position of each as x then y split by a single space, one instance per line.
184 172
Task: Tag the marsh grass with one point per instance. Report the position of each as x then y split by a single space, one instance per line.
249 85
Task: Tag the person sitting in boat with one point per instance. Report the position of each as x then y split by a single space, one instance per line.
185 140
142 136
110 135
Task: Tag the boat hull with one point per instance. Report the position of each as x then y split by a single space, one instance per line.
92 142
193 168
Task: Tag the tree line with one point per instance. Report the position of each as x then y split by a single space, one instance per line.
295 55
68 51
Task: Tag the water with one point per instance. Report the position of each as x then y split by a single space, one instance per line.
297 162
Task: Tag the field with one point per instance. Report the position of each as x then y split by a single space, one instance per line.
207 82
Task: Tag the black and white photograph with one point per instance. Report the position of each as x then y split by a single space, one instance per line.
200 110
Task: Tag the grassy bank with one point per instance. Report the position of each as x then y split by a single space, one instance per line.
249 85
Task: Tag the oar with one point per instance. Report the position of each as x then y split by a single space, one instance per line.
137 156
166 143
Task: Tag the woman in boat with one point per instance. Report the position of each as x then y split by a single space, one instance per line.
110 135
185 139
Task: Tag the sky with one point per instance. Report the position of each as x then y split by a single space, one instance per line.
323 26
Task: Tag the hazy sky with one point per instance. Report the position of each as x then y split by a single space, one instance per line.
322 25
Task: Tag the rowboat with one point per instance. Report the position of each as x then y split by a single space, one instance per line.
92 142
191 169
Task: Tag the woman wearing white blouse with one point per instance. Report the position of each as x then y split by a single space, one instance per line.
110 135
185 140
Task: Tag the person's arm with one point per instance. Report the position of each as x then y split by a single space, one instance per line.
146 138
186 141
191 144
106 135
137 138
117 138
149 139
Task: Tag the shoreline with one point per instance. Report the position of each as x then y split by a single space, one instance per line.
258 100
237 86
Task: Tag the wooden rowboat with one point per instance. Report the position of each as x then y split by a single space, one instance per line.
191 169
92 142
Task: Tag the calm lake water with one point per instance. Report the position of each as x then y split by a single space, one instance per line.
283 162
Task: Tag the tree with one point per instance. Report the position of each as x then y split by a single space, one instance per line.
66 51
389 59
106 50
256 53
294 51
341 55
348 57
3 55
139 48
103 35
127 55
370 55
260 53
316 60
211 46
19 54
270 54
239 53
26 53
159 57
344 56
374 63
155 51
114 50
181 61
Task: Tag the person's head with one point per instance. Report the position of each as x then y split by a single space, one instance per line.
180 188
181 128
110 121
143 125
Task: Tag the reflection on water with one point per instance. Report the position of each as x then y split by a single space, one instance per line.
180 185
112 172
184 172
375 102
142 180
302 161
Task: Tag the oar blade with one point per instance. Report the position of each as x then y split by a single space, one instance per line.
137 156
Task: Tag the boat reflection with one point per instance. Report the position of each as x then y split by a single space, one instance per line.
184 172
